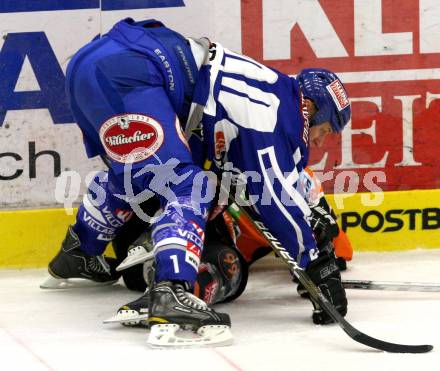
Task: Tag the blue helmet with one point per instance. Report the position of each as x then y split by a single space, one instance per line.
329 95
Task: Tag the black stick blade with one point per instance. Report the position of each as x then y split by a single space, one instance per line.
361 337
390 347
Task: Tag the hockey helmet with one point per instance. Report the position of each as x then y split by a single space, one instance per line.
325 89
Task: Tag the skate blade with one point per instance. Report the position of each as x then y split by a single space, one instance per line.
164 336
52 283
135 256
128 318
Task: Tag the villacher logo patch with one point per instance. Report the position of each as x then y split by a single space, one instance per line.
131 137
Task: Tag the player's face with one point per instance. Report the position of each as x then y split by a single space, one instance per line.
318 133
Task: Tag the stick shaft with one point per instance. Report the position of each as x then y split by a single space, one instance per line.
391 285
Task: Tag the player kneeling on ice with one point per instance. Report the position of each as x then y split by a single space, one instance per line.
158 108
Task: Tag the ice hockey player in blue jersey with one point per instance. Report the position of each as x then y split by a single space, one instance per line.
159 108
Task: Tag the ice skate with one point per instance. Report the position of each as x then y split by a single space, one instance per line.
139 252
133 314
71 267
172 308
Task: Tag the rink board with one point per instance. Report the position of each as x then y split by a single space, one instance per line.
397 221
31 238
386 53
390 70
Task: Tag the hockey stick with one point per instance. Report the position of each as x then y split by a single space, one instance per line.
391 285
316 294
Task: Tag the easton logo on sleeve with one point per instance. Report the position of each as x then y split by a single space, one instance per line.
338 94
131 137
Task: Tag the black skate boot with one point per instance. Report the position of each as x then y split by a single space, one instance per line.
172 307
71 263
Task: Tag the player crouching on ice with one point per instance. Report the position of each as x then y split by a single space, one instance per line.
232 245
158 108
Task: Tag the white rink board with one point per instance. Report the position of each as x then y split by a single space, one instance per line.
62 331
367 42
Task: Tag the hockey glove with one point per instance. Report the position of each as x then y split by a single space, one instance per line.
324 272
323 222
327 249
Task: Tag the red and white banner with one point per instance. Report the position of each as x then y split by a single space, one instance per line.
387 53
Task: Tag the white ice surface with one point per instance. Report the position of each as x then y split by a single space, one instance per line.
63 330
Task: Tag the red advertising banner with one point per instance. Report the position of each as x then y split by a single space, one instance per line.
387 53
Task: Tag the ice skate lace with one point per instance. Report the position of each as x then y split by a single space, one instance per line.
98 264
190 300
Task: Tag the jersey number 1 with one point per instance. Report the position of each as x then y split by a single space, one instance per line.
175 263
